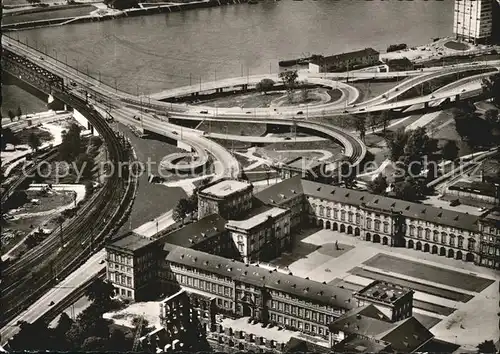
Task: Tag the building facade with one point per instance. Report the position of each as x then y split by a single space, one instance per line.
345 61
472 20
262 236
227 198
489 246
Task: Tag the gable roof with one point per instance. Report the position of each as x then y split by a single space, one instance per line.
407 335
281 192
260 277
196 232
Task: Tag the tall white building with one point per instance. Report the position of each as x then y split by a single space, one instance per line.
473 20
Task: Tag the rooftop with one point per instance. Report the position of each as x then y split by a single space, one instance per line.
282 192
302 163
383 291
320 293
259 216
132 242
226 188
405 336
334 59
482 188
194 233
355 344
492 215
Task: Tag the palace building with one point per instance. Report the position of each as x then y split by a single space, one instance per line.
214 263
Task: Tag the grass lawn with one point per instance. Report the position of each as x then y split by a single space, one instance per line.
456 45
447 294
344 121
369 90
152 200
62 13
429 272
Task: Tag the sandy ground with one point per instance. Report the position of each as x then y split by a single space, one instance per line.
150 310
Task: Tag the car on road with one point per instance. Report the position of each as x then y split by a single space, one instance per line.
102 261
175 133
361 109
137 118
455 202
346 111
41 58
248 112
204 112
463 90
300 113
288 138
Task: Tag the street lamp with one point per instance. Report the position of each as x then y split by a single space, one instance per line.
65 58
55 52
76 62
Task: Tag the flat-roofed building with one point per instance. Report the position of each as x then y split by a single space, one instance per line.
489 246
261 235
472 20
228 198
392 300
131 265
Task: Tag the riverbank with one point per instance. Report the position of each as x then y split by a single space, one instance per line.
90 13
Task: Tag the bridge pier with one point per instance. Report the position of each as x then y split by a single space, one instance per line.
244 87
55 104
426 105
457 97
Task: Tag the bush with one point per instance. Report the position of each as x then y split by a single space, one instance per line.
396 47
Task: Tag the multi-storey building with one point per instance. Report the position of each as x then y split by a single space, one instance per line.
134 261
489 246
262 235
343 61
228 198
472 20
380 219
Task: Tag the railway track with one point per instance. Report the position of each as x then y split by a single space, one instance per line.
29 277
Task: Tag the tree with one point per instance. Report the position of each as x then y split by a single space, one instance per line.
64 323
289 79
11 115
60 220
85 166
34 142
304 91
397 144
360 124
491 115
378 185
491 87
95 344
406 190
372 121
385 118
487 347
265 85
19 113
71 144
450 150
100 293
8 137
181 210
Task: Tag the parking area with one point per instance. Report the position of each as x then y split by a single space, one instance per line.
452 297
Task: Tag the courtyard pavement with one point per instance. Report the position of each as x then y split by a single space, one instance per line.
471 320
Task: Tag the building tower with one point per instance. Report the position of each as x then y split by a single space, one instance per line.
472 20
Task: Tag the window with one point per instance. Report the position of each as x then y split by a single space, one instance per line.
358 219
443 237
336 214
452 240
328 212
435 236
377 225
368 224
460 242
412 230
342 215
129 293
349 217
321 210
273 304
386 227
427 234
419 232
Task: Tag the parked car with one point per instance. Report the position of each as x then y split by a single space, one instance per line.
455 202
101 261
204 112
300 113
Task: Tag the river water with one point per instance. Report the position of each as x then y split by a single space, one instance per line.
151 53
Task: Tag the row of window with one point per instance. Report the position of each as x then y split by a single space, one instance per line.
302 326
120 279
114 257
205 285
302 313
444 238
120 267
492 250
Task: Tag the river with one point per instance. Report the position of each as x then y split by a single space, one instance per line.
151 53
